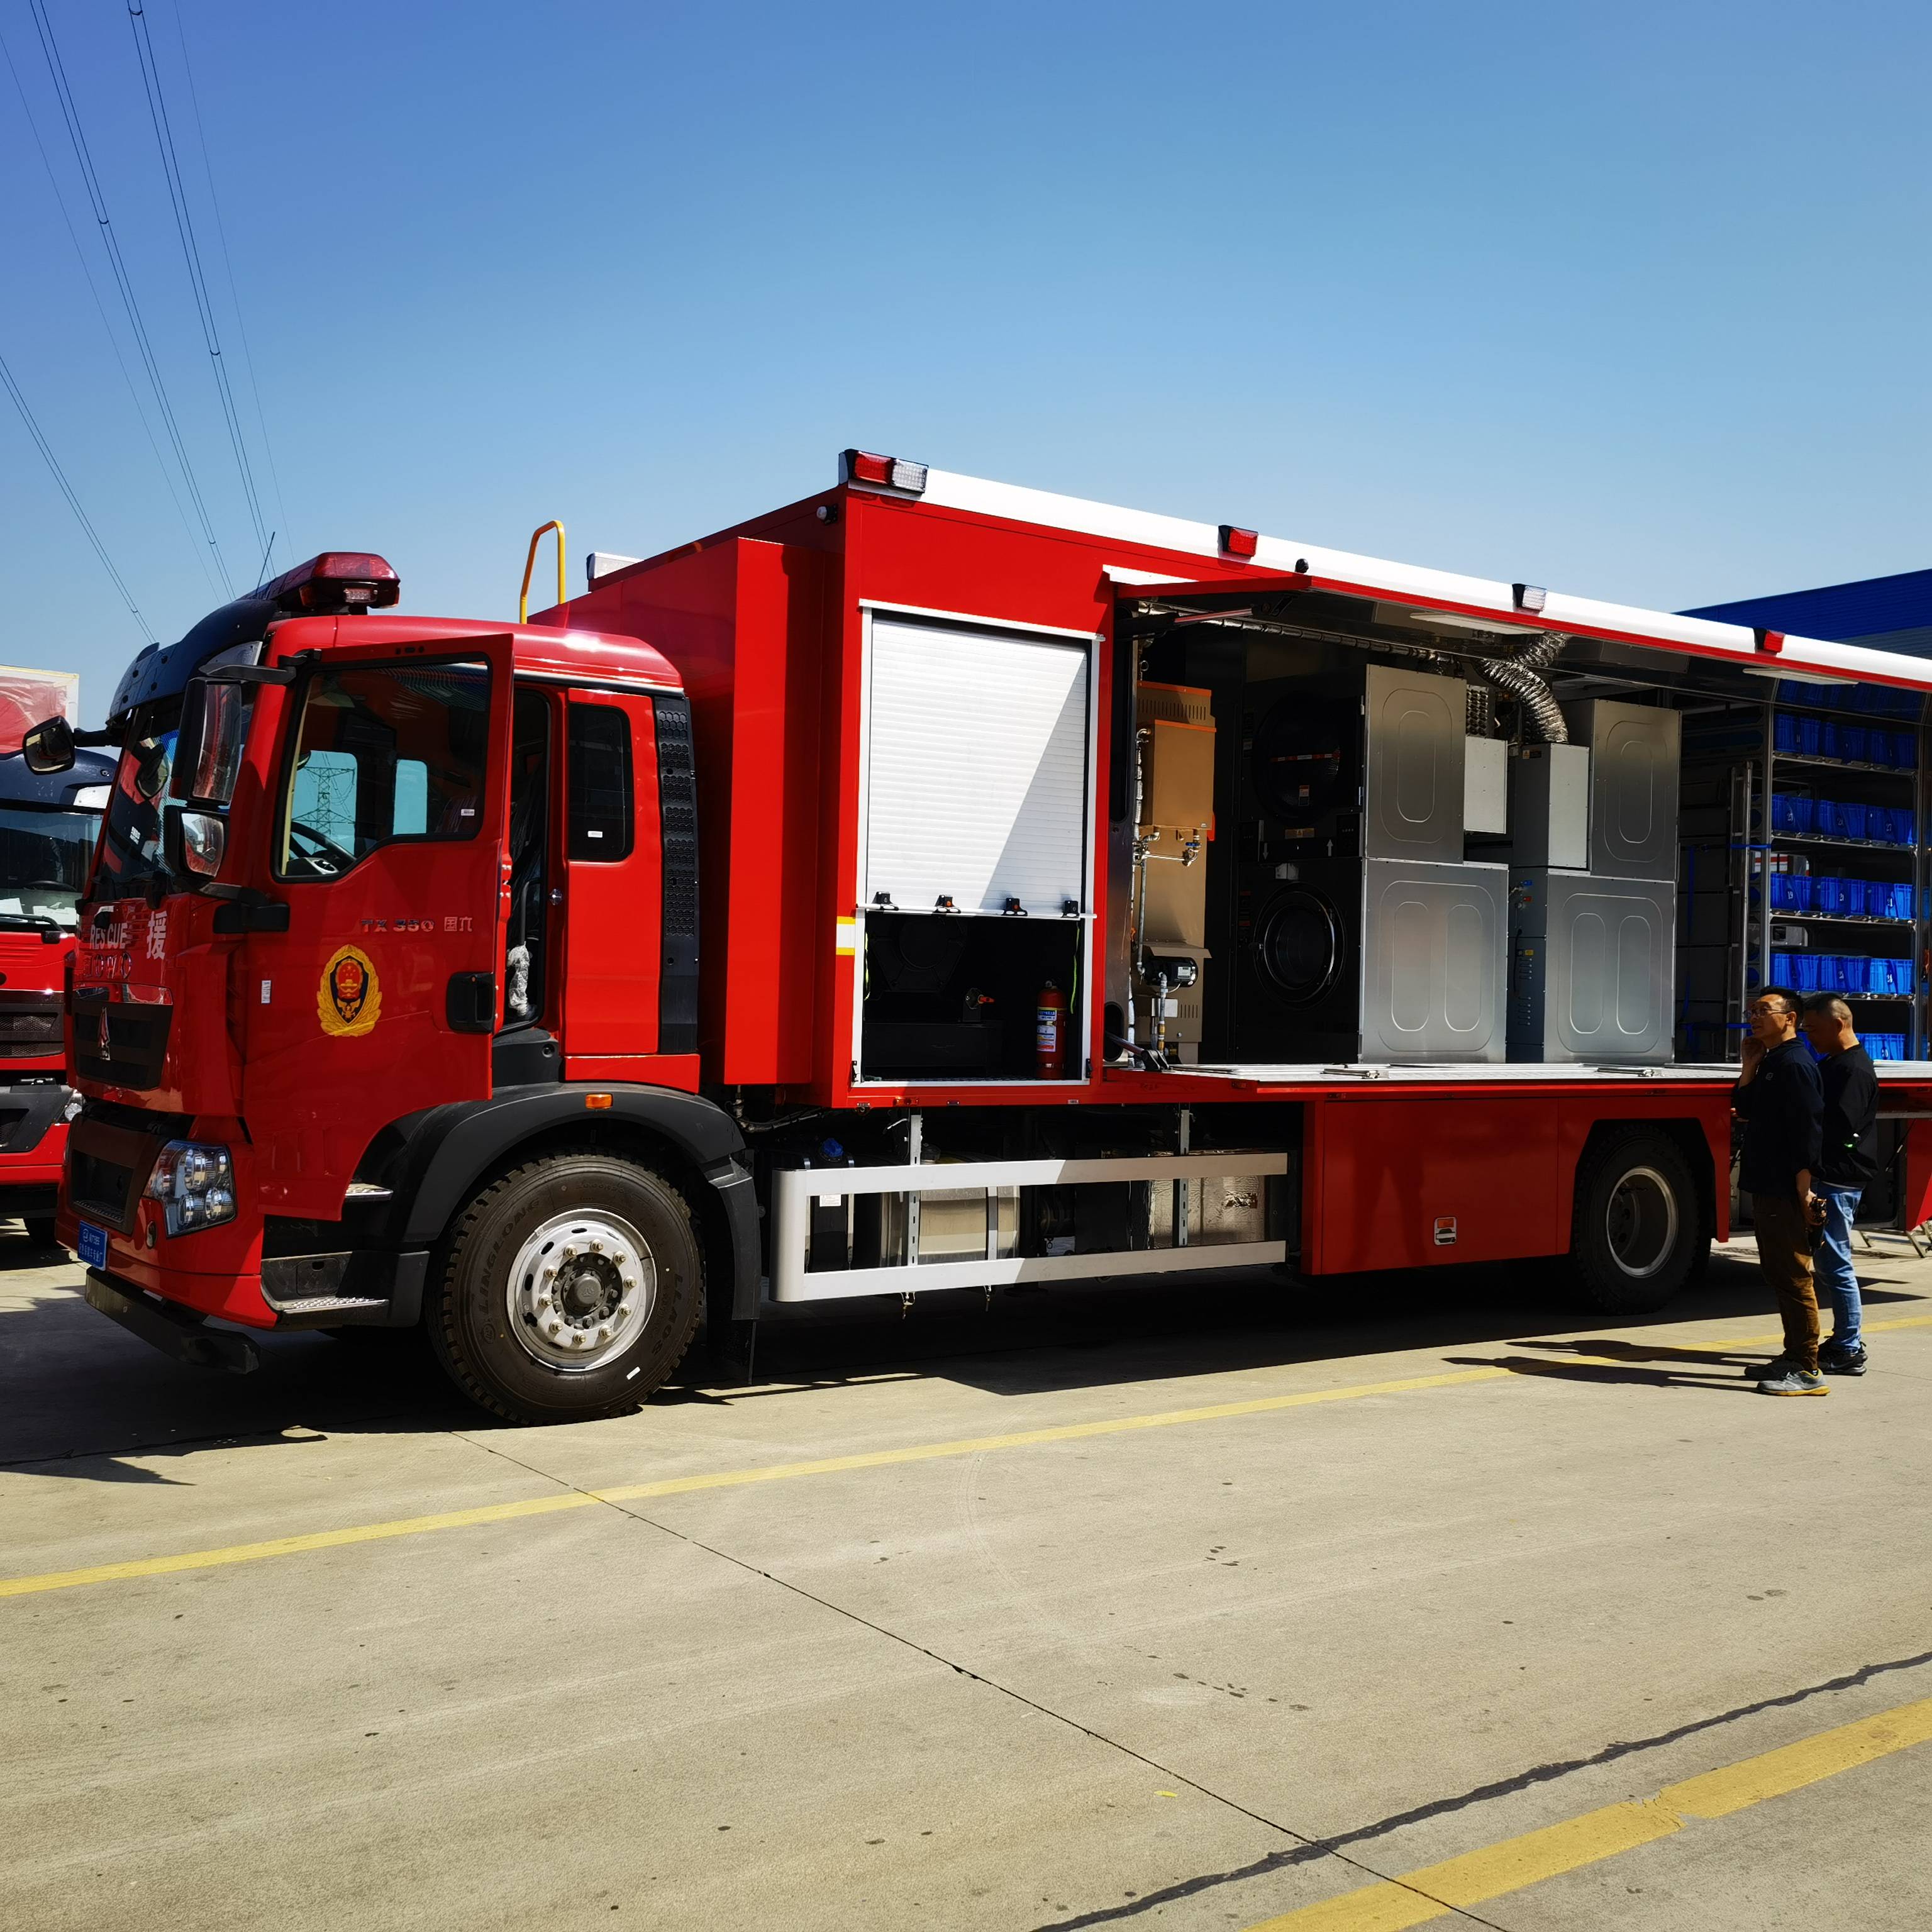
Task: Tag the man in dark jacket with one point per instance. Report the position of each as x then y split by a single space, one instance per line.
1781 1103
1847 1165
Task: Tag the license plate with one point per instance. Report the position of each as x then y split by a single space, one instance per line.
93 1245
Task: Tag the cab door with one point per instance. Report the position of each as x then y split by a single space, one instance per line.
385 839
613 889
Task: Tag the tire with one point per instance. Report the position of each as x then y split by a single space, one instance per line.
570 1289
41 1231
1638 1225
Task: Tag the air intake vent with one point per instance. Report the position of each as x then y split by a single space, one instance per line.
677 822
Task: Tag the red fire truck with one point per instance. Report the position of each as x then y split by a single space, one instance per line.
930 885
48 824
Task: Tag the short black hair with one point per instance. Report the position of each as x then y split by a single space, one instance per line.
1834 1003
1788 994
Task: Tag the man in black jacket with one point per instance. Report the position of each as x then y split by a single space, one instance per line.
1779 1099
1847 1165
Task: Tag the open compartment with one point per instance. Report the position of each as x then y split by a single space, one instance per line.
1441 840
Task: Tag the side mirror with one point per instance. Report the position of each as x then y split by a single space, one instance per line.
193 844
207 749
48 747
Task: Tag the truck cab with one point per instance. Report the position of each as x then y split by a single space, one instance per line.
48 824
391 934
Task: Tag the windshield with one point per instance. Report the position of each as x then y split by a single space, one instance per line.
131 853
44 854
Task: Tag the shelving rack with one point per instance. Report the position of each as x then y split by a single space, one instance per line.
1739 759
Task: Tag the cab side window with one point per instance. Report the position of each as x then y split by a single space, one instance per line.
384 753
602 816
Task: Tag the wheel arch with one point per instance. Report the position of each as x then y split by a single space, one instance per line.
1687 1134
435 1161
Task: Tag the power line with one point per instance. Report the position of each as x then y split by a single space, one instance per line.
100 309
228 269
73 501
164 140
57 73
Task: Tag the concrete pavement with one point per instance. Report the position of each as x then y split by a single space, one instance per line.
1194 1607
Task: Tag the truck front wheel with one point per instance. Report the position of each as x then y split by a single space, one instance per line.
1637 1226
571 1288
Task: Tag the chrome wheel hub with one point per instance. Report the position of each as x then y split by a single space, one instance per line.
1641 1223
580 1290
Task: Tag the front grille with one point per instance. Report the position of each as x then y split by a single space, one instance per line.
30 1032
122 1042
99 1188
677 833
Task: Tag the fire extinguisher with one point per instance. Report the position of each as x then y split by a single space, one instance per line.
1050 1033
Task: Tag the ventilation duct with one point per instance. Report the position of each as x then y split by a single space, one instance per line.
1517 677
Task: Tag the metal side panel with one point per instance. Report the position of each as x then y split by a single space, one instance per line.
1416 746
1433 955
795 1191
1635 750
1592 969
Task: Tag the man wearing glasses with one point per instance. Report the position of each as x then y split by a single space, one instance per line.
1781 1102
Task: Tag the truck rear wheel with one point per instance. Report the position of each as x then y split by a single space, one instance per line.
1637 1226
41 1231
571 1288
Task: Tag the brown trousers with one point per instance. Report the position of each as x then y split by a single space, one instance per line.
1784 1254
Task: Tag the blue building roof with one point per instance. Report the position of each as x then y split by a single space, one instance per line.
1889 612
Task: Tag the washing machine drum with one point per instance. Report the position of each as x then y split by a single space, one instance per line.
1300 944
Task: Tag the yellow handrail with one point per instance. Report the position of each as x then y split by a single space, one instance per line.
530 564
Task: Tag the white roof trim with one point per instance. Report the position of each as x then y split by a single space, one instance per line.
946 489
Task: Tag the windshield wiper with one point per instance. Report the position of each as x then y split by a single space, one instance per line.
49 929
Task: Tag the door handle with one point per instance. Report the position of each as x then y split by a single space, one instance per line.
470 1004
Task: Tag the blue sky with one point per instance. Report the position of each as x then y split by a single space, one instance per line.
1629 300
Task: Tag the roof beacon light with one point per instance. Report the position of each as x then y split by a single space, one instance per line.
883 473
1530 597
336 581
1770 643
1238 542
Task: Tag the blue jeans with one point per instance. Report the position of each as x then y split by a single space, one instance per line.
1832 1263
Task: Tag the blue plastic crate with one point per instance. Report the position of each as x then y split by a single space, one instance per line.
1905 750
1784 732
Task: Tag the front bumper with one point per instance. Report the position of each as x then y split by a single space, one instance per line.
33 1136
176 1331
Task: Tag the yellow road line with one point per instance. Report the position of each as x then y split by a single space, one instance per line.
722 1479
1434 1890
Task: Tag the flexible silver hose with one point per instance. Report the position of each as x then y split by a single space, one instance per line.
1517 676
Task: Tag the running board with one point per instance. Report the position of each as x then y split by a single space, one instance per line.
797 1191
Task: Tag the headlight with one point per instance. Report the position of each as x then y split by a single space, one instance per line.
195 1182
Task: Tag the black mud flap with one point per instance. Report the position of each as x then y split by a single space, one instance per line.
178 1332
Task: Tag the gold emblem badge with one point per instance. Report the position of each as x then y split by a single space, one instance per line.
350 999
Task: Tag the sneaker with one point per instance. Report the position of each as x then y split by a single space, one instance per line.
1836 1360
1793 1381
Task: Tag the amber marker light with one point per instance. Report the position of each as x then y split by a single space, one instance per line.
596 1103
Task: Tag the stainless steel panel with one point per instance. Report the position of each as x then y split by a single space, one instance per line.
1592 963
1433 941
1549 807
1486 763
1634 752
1413 772
1222 1209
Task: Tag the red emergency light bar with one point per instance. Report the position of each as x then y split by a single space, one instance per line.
337 580
884 473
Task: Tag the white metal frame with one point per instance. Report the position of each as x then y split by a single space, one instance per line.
794 1188
1092 642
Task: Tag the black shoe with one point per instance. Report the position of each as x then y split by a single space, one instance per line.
1847 1361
